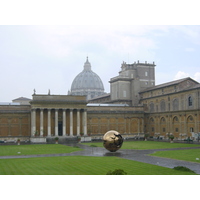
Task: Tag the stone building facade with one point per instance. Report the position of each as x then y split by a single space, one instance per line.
122 118
58 115
172 108
134 107
132 79
15 121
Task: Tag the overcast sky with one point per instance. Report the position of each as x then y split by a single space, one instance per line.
44 57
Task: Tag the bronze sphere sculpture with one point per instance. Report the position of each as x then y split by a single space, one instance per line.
112 141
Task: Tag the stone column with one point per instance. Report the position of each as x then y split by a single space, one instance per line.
78 122
56 122
33 122
85 122
64 122
71 122
41 122
49 122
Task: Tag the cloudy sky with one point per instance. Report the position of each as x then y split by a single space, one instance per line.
44 57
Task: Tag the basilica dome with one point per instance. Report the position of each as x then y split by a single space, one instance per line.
87 83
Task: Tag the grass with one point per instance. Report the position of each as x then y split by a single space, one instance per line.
139 145
192 155
35 149
83 165
80 165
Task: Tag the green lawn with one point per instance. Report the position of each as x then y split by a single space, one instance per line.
8 150
147 145
192 155
83 165
80 165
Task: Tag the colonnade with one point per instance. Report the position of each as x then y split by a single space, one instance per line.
60 120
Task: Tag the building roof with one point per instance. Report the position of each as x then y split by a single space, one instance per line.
101 96
22 99
169 84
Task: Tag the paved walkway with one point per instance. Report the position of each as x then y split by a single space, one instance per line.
137 155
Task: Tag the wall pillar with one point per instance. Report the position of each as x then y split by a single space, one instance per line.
185 125
49 122
142 125
85 122
78 122
41 122
56 122
71 122
138 119
33 122
64 122
195 123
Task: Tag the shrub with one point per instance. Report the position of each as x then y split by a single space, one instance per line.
171 137
92 145
185 169
116 172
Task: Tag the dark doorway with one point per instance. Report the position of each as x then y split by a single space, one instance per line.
60 128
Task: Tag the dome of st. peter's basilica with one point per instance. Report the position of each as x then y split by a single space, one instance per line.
87 83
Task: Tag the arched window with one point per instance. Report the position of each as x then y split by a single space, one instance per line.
152 120
162 120
175 104
189 101
162 106
175 120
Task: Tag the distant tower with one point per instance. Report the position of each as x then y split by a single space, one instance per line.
87 83
132 79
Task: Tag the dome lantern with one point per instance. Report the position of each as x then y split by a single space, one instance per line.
87 65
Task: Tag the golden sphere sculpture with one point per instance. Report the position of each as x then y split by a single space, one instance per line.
112 141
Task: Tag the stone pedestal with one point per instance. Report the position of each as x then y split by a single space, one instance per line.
86 139
38 139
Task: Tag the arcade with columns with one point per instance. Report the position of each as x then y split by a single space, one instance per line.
58 115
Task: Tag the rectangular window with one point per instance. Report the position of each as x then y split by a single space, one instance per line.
163 129
146 73
190 101
176 129
124 93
